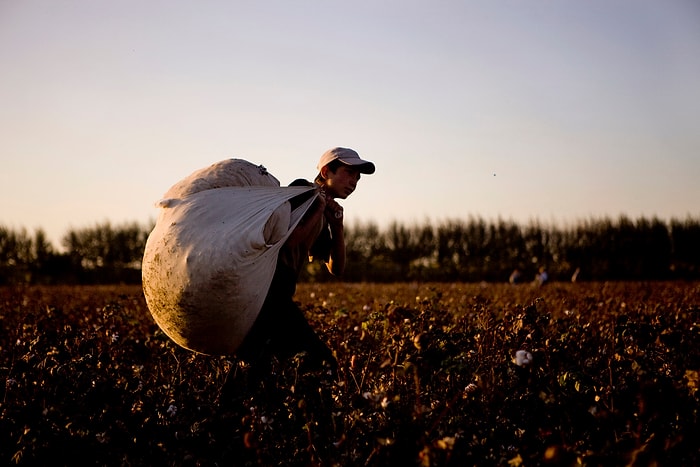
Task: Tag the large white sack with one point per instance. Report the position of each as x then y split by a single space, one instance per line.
209 261
229 172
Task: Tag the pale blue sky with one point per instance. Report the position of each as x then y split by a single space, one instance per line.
544 109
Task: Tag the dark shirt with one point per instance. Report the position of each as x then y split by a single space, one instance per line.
291 260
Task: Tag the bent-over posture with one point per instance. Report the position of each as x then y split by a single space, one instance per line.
281 330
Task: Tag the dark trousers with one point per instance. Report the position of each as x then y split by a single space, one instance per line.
281 329
280 332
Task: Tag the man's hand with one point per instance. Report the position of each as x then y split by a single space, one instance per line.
333 211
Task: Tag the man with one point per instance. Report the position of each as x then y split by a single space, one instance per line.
281 330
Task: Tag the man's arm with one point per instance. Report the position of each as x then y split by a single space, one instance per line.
307 229
334 216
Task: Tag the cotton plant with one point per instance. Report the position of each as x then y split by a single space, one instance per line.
523 358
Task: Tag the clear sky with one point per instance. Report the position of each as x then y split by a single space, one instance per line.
544 110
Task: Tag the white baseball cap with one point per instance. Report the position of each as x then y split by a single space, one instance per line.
347 157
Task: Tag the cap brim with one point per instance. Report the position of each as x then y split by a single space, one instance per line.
364 167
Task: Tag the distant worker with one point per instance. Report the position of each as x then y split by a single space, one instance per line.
542 277
516 277
574 276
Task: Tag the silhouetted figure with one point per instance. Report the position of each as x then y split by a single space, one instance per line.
516 277
542 277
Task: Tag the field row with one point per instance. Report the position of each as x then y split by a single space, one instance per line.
607 374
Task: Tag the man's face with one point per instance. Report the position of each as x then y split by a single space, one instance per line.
342 182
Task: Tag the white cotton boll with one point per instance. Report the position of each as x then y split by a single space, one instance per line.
523 358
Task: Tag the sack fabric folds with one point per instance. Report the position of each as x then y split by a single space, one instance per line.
210 259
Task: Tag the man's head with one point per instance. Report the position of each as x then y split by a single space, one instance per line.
347 157
340 170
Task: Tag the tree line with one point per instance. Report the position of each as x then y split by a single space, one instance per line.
454 250
479 250
101 254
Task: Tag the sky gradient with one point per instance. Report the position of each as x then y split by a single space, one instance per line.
556 111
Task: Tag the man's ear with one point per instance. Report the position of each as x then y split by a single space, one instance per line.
324 172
